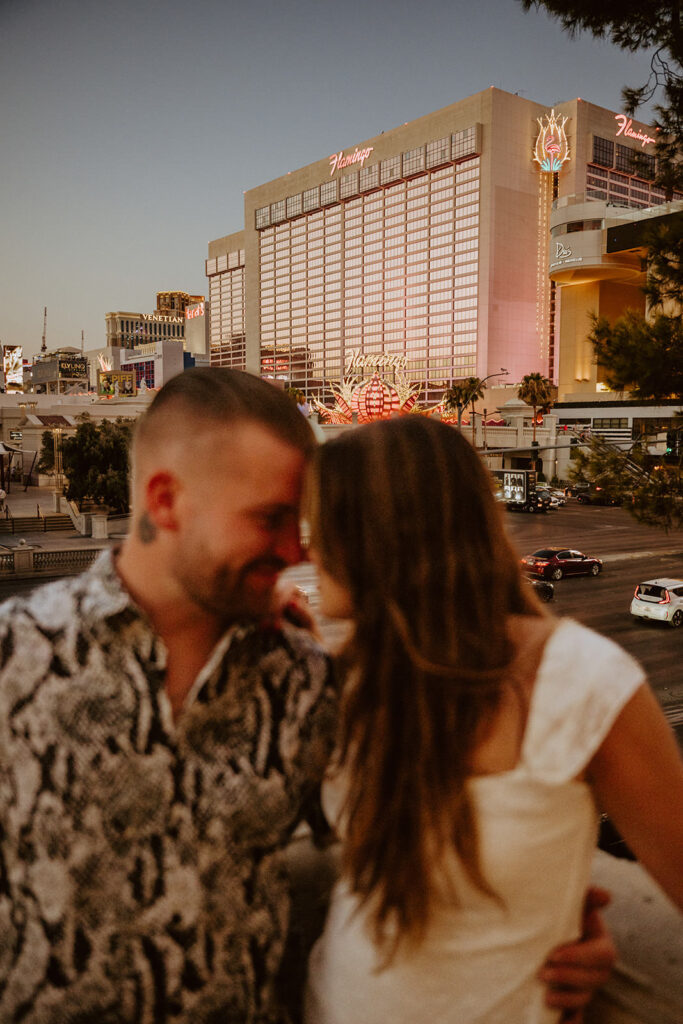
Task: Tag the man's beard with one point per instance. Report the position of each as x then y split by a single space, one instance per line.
229 595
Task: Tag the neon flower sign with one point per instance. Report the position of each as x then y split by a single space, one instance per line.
551 149
359 156
625 128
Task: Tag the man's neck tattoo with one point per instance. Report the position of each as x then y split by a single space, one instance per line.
147 531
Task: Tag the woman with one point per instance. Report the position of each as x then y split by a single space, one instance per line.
477 735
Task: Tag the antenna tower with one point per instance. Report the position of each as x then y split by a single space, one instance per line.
43 347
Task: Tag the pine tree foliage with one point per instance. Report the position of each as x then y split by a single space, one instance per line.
651 491
643 355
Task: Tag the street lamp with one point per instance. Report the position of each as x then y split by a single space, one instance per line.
57 442
501 373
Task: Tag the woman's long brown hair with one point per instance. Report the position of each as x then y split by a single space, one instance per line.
402 512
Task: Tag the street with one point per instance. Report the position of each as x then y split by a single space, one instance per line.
631 553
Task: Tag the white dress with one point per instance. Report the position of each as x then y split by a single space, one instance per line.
538 829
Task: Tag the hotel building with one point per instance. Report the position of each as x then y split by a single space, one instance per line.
166 323
427 250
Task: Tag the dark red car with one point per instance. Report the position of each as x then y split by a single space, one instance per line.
554 563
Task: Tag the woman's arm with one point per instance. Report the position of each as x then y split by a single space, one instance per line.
637 778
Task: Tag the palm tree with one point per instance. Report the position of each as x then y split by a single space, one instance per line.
537 391
456 398
460 394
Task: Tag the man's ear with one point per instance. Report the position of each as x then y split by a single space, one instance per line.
161 500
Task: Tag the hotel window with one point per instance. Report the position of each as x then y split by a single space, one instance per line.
625 159
414 161
395 195
438 152
644 166
603 152
465 143
328 192
349 185
369 178
311 199
277 211
294 205
263 217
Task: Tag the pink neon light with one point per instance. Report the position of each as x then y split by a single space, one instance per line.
626 130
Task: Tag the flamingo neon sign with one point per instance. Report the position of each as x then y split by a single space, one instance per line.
551 149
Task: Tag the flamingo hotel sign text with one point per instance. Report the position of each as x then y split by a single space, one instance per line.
340 159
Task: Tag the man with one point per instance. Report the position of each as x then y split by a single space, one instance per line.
159 744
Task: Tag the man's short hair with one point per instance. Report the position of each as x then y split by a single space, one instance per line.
220 396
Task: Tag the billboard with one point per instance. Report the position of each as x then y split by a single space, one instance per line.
115 383
515 483
13 367
73 366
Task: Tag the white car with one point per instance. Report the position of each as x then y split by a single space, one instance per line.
661 600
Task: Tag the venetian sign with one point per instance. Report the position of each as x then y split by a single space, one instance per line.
551 149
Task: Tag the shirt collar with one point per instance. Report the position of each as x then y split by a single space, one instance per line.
105 596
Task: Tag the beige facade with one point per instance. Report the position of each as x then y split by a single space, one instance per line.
425 249
225 269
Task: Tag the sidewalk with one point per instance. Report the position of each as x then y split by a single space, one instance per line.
30 502
40 501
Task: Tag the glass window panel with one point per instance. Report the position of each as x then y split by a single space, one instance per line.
464 143
369 178
349 185
294 205
329 192
277 211
414 161
311 199
603 152
438 152
263 217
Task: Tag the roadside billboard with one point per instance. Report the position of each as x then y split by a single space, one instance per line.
515 483
116 383
13 367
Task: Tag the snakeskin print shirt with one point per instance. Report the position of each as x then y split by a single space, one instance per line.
141 875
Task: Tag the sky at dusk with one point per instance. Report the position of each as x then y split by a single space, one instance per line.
129 129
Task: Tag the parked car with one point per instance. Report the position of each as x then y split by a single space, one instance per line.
554 563
597 496
660 600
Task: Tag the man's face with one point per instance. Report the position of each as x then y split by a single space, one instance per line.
239 522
